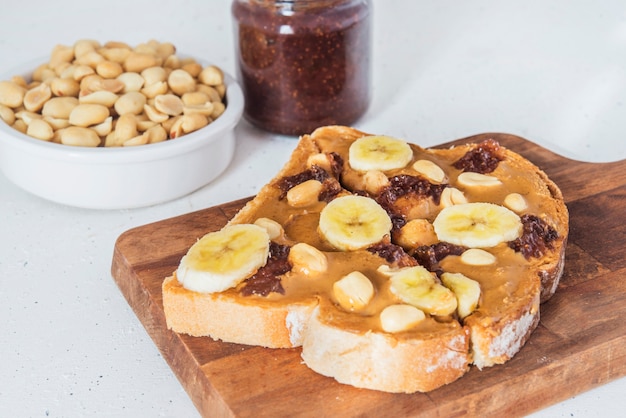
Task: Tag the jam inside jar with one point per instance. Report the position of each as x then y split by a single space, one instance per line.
303 63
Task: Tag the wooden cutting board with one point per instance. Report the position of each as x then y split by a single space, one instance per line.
580 342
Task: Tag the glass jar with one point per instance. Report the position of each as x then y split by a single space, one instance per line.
303 63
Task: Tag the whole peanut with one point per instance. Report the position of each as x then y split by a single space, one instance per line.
111 94
11 94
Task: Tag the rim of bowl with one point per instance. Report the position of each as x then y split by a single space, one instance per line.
104 155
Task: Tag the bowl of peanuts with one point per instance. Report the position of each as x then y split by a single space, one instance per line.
110 126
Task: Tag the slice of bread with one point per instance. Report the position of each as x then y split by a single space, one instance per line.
303 308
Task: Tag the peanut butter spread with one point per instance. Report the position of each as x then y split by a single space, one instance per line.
409 193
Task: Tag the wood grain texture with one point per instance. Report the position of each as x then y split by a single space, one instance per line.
580 342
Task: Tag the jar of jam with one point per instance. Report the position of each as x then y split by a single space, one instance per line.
303 63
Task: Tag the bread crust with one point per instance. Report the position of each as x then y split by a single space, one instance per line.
268 325
380 361
371 358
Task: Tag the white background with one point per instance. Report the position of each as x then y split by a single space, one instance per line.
553 72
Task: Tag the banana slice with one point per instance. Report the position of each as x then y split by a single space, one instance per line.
467 292
353 222
418 287
378 152
477 225
222 259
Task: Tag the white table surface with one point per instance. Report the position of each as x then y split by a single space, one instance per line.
553 72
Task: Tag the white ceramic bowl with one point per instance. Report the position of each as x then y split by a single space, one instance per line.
120 178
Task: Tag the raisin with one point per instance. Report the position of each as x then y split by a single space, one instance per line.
336 164
405 184
393 254
429 256
536 239
484 158
267 278
331 188
397 221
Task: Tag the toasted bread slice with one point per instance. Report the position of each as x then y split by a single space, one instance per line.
350 344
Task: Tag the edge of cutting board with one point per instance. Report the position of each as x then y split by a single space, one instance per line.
579 344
